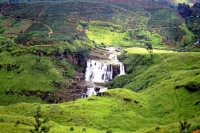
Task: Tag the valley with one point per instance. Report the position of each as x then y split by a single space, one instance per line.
98 67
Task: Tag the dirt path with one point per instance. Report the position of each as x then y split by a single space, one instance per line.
51 31
40 14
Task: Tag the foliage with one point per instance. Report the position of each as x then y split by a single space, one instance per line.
150 105
184 126
149 49
84 129
41 65
119 82
166 22
109 24
138 62
132 63
38 126
109 131
184 10
193 86
191 14
192 25
71 129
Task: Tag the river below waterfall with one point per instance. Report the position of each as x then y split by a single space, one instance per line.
98 72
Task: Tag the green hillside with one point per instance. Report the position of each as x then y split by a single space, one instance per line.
124 25
32 72
167 92
43 51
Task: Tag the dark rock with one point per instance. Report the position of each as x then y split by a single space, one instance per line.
102 93
96 89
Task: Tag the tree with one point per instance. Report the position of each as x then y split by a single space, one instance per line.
149 48
184 10
38 128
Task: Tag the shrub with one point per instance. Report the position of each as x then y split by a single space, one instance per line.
71 129
193 86
84 129
157 128
184 126
109 131
38 123
1 120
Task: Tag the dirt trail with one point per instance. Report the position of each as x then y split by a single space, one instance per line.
51 31
35 21
40 14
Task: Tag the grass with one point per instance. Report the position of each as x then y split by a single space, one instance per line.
105 35
18 28
152 97
35 68
115 35
139 50
157 107
117 114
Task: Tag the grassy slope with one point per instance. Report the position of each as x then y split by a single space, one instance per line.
156 108
157 82
21 68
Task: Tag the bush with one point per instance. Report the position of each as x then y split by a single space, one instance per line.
184 126
38 125
71 129
84 129
109 131
193 86
157 128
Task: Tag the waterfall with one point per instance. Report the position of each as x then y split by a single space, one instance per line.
122 71
93 91
98 71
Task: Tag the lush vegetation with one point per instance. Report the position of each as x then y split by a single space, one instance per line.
38 69
124 25
191 14
44 46
168 78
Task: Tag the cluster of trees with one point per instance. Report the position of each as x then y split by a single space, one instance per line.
192 16
187 11
184 10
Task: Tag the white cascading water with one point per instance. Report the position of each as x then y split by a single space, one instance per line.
122 70
97 71
91 91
